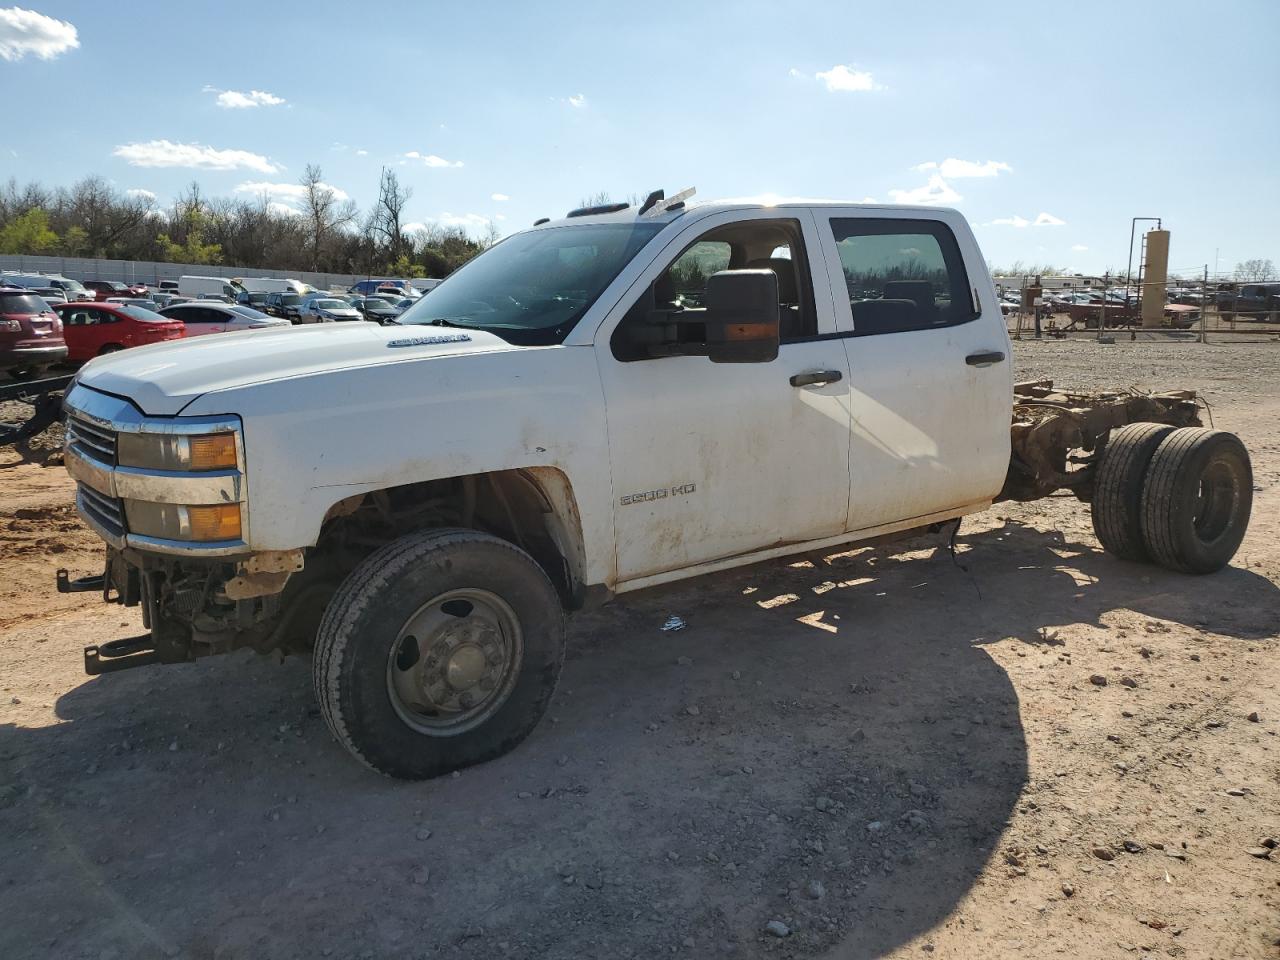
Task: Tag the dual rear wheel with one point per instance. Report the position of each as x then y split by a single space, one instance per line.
1180 498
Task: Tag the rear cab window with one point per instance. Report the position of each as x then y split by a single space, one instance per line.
902 275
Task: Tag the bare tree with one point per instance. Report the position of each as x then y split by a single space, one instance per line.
1257 269
324 212
386 221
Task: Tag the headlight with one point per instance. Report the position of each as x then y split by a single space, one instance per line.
161 451
169 521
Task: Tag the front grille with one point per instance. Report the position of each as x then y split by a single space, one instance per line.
106 511
94 441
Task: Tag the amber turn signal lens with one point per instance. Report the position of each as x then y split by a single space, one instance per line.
220 522
212 451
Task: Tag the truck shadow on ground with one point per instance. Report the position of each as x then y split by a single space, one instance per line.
829 746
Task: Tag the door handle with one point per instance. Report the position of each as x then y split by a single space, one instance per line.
984 359
816 377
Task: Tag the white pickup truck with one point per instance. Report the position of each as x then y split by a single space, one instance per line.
614 400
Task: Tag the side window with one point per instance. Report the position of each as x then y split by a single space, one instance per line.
775 245
902 275
76 318
185 314
105 316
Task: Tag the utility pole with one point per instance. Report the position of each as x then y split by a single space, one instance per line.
1204 305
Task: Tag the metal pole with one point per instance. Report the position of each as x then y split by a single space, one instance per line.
1102 309
1204 305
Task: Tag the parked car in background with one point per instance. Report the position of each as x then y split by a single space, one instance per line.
94 329
328 310
167 286
102 289
168 299
30 334
1258 300
207 288
424 284
50 295
252 298
404 304
375 309
287 306
214 316
73 289
366 288
144 302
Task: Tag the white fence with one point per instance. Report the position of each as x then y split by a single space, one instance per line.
152 272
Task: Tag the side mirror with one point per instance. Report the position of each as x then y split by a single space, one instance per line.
742 316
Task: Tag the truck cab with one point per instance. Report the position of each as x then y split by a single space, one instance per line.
602 403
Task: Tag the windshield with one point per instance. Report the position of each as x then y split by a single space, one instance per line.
290 298
330 305
533 287
75 286
143 314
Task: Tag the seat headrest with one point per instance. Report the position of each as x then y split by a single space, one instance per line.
785 270
921 291
885 316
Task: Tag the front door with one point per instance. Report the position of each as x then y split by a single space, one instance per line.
713 460
930 387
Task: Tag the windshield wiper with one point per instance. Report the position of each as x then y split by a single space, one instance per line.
449 322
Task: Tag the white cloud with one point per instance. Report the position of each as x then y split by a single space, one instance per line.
283 209
362 153
841 78
936 191
499 197
235 100
466 220
1043 220
499 216
25 31
431 160
954 169
793 72
415 227
140 194
1079 247
286 192
164 153
577 100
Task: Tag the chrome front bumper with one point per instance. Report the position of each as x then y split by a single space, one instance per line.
94 420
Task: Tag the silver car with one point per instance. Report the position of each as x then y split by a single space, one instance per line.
327 310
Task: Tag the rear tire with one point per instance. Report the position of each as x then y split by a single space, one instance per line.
441 650
1117 492
1196 500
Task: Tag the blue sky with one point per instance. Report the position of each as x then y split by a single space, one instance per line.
1078 119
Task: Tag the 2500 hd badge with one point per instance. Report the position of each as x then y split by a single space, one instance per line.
679 490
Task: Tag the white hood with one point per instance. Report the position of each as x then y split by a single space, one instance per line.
163 378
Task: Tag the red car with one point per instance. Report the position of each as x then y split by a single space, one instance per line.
92 329
30 334
102 289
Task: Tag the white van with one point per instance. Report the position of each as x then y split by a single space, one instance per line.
273 285
204 288
423 284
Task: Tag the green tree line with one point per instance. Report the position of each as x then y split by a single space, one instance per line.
322 233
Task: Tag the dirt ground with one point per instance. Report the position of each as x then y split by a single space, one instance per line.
886 753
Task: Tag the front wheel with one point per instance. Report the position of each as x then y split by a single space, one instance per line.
439 651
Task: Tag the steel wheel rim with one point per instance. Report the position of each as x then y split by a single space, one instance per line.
455 662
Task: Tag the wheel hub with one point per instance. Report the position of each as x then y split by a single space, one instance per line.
453 663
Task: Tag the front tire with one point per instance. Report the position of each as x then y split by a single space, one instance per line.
439 651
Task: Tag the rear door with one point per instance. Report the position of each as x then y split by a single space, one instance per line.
931 380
